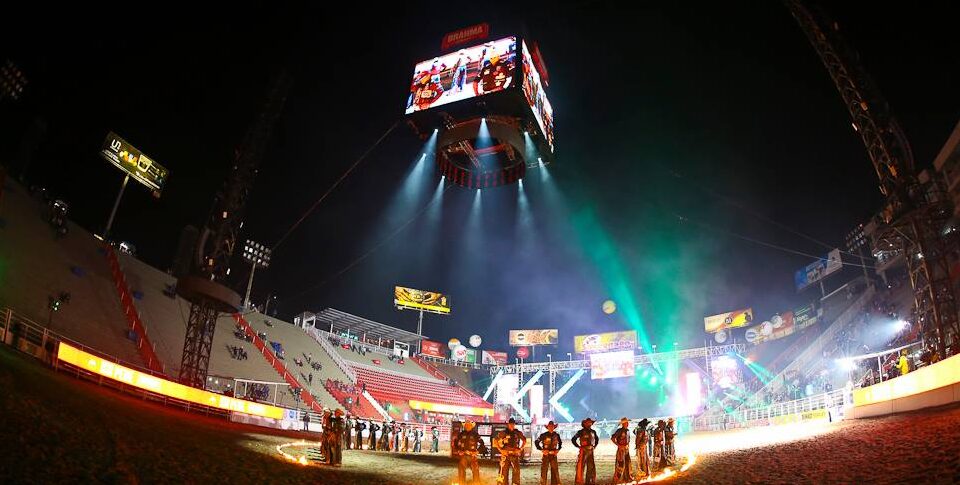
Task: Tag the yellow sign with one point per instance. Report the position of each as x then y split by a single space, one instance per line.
450 409
605 342
429 301
117 372
934 376
815 415
126 157
737 318
524 338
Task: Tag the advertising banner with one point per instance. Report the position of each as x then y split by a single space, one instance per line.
464 35
609 365
603 342
463 74
537 97
805 316
434 349
429 301
471 356
737 318
137 165
818 270
493 358
91 363
524 338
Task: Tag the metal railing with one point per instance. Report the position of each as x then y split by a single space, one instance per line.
761 415
321 337
454 363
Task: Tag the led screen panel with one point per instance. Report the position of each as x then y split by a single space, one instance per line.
611 364
536 97
466 73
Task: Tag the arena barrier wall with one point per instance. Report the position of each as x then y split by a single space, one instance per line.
933 385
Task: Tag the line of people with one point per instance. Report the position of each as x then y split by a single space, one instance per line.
654 447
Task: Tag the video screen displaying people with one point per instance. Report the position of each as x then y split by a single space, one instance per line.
465 73
536 97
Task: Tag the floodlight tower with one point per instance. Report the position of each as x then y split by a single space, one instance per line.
257 255
204 288
914 216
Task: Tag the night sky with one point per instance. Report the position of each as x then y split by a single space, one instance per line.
719 113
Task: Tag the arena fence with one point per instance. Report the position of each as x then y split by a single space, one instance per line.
827 406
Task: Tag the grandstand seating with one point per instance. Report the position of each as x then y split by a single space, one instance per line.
400 388
35 266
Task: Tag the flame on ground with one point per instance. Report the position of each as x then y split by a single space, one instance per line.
302 459
670 472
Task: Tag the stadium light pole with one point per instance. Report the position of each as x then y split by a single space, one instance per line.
257 255
569 356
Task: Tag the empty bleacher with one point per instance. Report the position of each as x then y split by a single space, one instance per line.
35 266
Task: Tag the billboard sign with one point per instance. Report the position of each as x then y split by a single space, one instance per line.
493 358
142 168
805 316
603 342
737 318
431 348
466 73
536 96
429 301
818 270
523 352
464 35
608 365
525 338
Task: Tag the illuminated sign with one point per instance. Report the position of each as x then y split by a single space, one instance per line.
157 385
524 338
507 387
137 165
450 408
611 364
464 35
536 96
934 376
435 349
464 74
602 342
818 270
430 301
737 318
493 357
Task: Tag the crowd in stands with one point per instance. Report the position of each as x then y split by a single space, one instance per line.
347 393
257 392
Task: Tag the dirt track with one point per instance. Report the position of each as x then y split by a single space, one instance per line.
58 429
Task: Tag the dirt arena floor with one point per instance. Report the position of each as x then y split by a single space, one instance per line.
56 428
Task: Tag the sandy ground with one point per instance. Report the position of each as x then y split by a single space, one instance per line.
58 429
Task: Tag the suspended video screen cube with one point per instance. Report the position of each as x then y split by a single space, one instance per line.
487 107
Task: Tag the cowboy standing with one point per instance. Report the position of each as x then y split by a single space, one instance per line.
621 438
465 449
586 440
549 443
435 445
642 437
510 446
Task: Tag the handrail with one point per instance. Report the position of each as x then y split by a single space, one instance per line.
277 365
376 406
337 358
838 398
130 311
30 327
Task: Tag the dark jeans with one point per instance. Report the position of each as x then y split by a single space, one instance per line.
549 462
